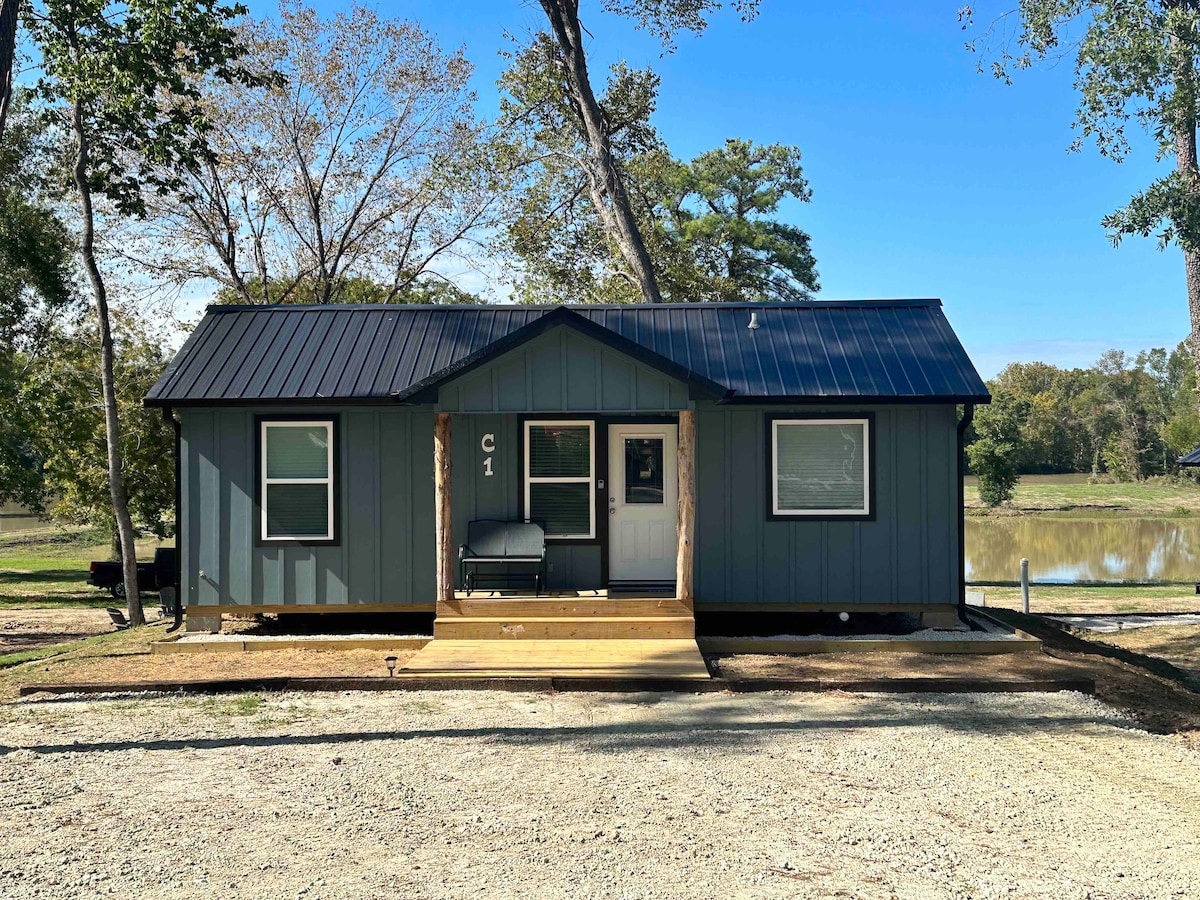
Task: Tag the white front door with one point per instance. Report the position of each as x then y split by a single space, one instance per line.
642 503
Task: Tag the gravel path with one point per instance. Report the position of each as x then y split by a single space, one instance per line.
494 795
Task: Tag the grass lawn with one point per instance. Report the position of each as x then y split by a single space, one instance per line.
48 567
1177 644
1069 598
1071 495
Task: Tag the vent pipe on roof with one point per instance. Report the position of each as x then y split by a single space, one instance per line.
753 320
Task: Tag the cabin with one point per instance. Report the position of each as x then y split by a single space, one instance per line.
739 458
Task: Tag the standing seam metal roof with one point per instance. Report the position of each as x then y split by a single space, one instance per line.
898 350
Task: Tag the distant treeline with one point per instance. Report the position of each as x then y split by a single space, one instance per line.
1128 417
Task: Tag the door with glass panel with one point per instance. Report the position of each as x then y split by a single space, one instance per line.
642 503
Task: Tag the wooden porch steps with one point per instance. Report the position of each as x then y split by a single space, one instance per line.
581 607
565 635
649 659
555 628
564 617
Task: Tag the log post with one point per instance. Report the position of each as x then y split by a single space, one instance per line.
687 504
441 500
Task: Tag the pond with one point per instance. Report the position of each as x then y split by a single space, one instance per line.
1067 550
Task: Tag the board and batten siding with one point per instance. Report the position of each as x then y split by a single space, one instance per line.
908 554
563 371
385 552
476 495
385 493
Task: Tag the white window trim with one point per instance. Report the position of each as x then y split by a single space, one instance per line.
327 424
564 479
865 424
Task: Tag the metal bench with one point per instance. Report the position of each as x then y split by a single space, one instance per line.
492 542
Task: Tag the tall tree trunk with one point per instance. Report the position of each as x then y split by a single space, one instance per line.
1187 166
1191 265
9 14
623 230
112 429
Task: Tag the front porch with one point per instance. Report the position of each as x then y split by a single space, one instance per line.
598 631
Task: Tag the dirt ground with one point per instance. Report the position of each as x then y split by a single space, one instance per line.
1027 666
1157 704
497 795
32 629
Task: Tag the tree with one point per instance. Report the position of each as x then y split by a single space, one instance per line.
123 80
62 416
709 225
366 162
720 208
355 289
1181 432
35 288
1135 62
557 231
997 453
605 179
10 14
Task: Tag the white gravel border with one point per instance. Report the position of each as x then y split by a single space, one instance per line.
268 638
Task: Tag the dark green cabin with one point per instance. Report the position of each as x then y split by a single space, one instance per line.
827 450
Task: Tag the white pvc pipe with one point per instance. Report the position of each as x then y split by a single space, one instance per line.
1025 585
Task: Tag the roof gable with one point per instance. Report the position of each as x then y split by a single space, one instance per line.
568 318
562 369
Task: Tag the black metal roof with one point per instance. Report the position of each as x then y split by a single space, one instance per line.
886 350
1190 459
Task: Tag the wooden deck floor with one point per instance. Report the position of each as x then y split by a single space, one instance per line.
559 658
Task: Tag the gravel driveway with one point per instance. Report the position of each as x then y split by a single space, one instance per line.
496 795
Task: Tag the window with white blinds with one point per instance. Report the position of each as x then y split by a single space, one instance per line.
820 467
560 477
297 481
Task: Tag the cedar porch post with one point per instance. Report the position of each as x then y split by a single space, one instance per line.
687 504
441 501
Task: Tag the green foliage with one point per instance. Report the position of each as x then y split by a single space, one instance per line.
996 453
35 246
555 234
710 225
354 289
1127 418
62 420
719 209
1135 62
35 276
132 73
666 18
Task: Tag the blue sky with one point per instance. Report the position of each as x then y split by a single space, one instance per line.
929 179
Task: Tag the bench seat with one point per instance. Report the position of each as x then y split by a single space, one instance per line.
493 542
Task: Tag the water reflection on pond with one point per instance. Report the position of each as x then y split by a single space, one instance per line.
1064 550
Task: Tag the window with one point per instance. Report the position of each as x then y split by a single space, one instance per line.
297 481
644 470
820 467
560 474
